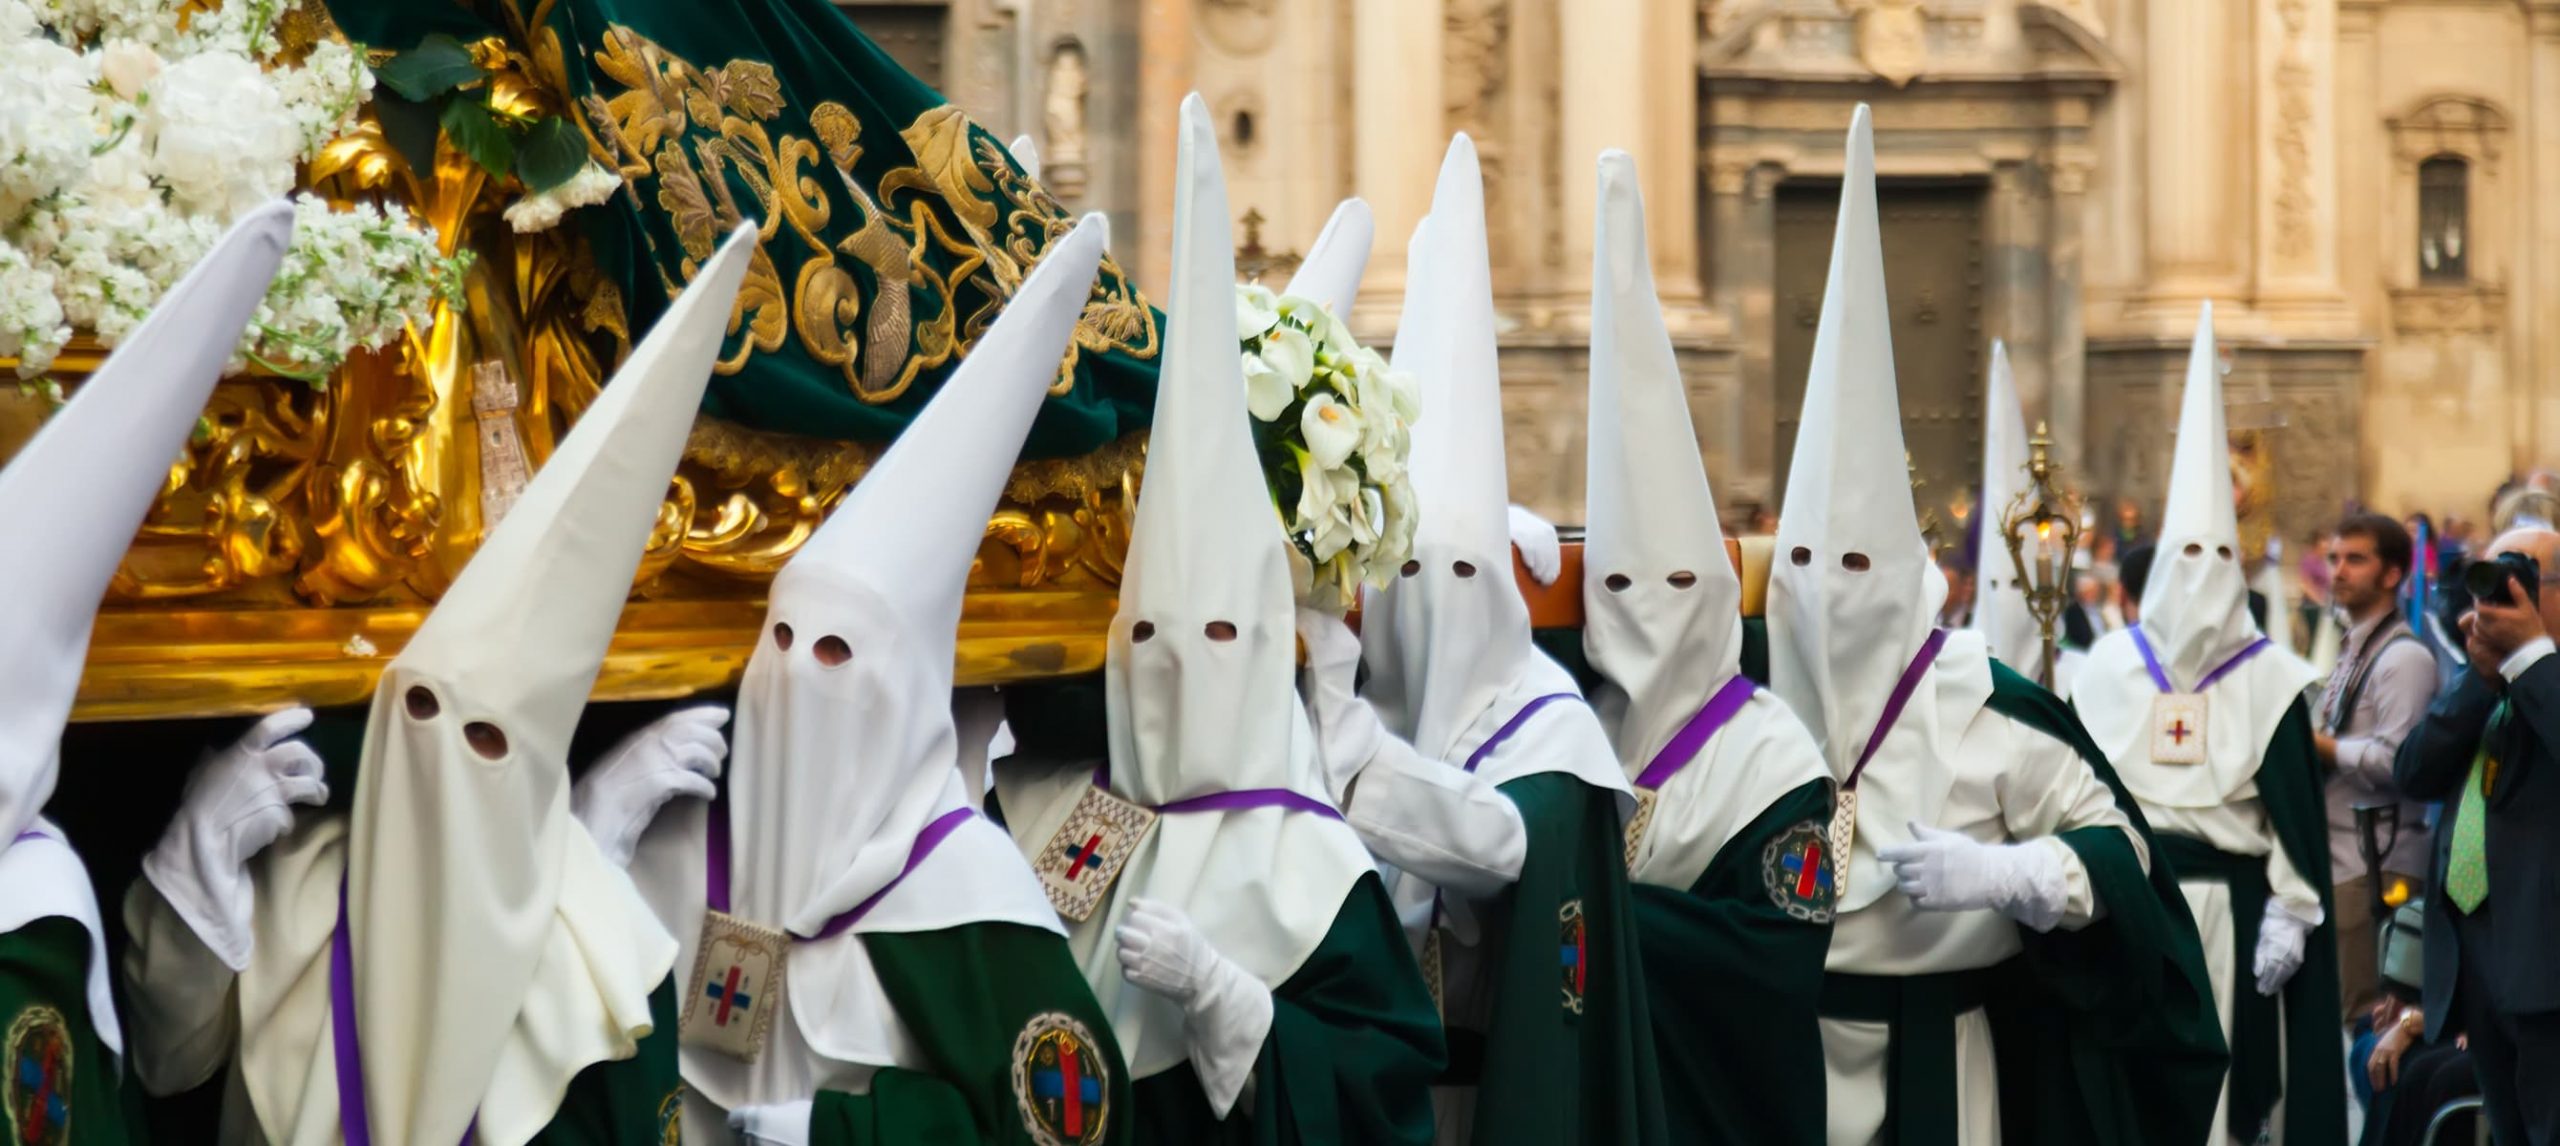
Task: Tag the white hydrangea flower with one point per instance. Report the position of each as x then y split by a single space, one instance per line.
323 95
32 329
128 67
220 136
47 120
540 212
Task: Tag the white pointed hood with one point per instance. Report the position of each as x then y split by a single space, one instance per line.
2000 598
2195 614
2195 608
464 865
1447 646
1331 275
1661 602
837 768
81 487
1200 677
1847 618
1026 154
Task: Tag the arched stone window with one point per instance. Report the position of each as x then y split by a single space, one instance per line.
2444 220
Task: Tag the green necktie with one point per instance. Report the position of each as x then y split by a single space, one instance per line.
2466 875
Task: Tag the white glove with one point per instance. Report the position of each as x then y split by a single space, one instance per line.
1227 1012
781 1124
675 755
236 803
1348 732
2281 938
1540 550
1950 871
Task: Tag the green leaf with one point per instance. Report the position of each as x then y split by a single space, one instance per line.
438 64
477 134
553 152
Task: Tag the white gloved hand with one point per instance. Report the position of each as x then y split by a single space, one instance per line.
780 1124
1950 871
1539 547
237 802
1348 732
675 755
1227 1012
2281 940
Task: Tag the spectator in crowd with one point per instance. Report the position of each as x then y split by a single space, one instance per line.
2133 570
2377 691
2404 1080
2491 746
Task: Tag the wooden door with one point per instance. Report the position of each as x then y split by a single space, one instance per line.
1933 283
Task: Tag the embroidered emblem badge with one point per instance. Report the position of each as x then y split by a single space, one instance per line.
736 986
671 1118
1800 870
2177 728
1086 854
1060 1081
37 1090
1573 953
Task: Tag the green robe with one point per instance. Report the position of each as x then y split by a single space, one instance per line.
637 1100
1354 1045
894 229
1735 982
1568 1056
2117 1043
2307 1069
58 1083
1020 1053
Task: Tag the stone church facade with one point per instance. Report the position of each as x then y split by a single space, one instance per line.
2368 190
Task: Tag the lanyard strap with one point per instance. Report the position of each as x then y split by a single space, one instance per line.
1902 690
716 891
1685 744
2151 660
353 1126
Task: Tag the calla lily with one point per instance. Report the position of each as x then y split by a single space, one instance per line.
1267 392
1287 350
1256 312
1332 430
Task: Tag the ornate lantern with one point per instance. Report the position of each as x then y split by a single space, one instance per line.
2043 530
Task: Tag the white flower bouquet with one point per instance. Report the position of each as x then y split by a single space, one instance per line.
1334 427
133 132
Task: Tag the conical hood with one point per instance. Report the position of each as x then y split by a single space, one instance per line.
1026 155
2000 599
1853 592
1447 641
1663 607
78 490
2195 608
1200 673
461 831
844 747
1331 275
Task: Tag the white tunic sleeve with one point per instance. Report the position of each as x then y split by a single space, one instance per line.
2049 790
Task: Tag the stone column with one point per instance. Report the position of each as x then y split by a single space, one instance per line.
2540 273
2066 336
1398 138
1653 115
2196 169
1742 223
2298 191
1165 54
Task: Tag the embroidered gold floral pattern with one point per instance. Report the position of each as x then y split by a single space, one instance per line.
916 272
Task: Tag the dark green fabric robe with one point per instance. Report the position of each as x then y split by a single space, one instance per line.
1021 1053
58 1083
894 229
1354 1045
1568 1056
1735 983
2307 1069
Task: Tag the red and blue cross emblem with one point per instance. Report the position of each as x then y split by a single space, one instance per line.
1573 953
1799 870
1061 1083
1081 856
730 994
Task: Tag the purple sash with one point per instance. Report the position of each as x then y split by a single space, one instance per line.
716 874
2159 677
1512 725
1240 800
1902 690
1685 744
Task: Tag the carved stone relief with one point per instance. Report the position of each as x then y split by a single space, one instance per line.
1062 122
2295 93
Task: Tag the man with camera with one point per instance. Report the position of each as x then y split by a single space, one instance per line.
2490 749
2384 678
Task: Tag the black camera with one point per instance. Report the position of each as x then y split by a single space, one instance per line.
2486 579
